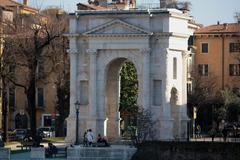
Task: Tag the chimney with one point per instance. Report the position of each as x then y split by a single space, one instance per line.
25 2
225 26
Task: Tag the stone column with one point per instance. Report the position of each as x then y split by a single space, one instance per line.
92 90
146 78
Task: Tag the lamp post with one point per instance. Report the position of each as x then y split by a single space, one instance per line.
77 106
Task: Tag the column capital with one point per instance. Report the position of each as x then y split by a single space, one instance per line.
92 51
185 54
145 50
72 51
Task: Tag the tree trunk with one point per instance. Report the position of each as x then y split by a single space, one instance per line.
4 112
31 97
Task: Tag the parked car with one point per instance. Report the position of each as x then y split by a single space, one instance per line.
20 133
45 132
233 129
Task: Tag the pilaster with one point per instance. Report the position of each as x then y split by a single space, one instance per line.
73 80
146 77
92 82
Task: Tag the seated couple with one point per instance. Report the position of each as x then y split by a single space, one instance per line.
101 139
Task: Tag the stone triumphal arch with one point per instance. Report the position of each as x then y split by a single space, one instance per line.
155 42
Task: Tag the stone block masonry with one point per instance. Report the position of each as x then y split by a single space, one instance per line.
101 153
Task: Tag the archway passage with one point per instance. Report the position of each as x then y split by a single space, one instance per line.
128 97
21 121
121 96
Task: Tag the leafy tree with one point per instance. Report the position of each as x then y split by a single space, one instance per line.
229 105
129 88
128 96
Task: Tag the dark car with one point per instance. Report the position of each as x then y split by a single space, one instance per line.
20 133
233 129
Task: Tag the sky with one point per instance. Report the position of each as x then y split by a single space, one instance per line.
205 12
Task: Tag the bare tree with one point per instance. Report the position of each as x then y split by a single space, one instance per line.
144 130
30 41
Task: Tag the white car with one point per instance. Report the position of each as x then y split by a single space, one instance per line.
45 132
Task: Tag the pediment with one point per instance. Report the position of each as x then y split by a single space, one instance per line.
117 28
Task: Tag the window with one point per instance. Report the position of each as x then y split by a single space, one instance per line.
234 69
84 92
174 68
40 97
11 97
47 120
40 69
157 92
203 69
204 47
11 69
190 41
234 47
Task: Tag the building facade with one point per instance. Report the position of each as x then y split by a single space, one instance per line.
17 105
156 42
217 55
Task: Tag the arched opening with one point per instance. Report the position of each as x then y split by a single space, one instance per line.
121 97
21 121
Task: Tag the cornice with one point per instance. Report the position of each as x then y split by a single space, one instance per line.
116 35
72 51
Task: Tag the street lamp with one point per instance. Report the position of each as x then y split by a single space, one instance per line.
77 106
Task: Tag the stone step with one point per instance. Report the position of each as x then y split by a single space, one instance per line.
101 153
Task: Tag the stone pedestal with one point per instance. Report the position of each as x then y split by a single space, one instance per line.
5 154
37 153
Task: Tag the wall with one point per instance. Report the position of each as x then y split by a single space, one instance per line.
188 151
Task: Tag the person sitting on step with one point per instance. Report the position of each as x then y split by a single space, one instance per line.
101 139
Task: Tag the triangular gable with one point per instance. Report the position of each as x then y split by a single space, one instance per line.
117 27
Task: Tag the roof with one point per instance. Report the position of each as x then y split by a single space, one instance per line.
12 3
220 28
92 6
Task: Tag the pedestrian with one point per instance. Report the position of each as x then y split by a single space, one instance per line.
224 133
1 142
90 137
213 133
198 131
51 150
85 141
